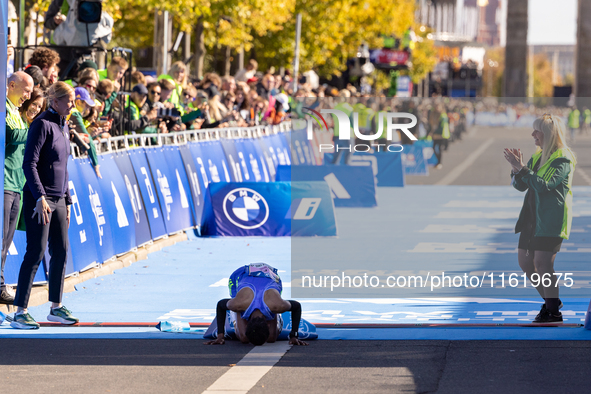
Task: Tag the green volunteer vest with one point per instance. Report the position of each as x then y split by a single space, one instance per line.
343 107
573 119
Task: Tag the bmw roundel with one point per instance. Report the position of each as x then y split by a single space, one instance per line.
245 208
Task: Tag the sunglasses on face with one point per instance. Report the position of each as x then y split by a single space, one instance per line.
155 92
90 87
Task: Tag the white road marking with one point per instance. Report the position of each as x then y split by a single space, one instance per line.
477 215
466 229
484 204
248 371
463 166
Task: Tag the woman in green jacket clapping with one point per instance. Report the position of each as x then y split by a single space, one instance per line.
546 216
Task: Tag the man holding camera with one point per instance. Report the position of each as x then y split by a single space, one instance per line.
19 89
136 120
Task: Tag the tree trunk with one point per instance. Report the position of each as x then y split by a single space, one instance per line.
187 51
582 85
516 49
199 48
228 62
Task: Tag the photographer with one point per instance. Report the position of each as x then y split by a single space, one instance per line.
136 121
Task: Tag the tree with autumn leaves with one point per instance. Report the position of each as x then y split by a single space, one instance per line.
332 30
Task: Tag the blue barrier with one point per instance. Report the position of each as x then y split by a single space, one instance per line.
312 210
102 226
197 182
176 167
386 167
83 231
140 218
301 149
254 169
274 144
116 206
15 256
267 153
248 209
351 186
173 193
211 161
428 152
238 168
148 192
413 160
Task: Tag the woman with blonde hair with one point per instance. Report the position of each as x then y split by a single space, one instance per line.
546 216
46 206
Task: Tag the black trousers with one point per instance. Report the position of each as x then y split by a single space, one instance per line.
38 236
11 207
438 146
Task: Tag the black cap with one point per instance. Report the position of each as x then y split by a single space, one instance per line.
88 64
140 88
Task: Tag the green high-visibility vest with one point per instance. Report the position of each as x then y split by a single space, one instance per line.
587 115
365 116
573 119
343 107
444 125
376 116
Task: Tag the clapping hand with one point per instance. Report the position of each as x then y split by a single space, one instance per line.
515 158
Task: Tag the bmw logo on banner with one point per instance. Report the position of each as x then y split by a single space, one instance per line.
246 208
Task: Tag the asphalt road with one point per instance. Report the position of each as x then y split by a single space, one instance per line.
490 166
186 366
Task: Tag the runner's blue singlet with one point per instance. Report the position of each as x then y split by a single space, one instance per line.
259 277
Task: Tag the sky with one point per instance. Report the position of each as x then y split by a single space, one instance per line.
552 22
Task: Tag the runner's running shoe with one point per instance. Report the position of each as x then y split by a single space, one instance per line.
543 311
61 315
24 321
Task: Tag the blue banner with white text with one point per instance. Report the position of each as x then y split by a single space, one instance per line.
413 160
140 218
148 192
351 186
173 193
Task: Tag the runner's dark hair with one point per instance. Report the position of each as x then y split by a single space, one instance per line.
257 331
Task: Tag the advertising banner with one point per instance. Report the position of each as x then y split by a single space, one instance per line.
116 206
14 259
238 166
177 167
196 181
101 220
413 160
255 162
173 193
140 218
148 192
312 210
211 161
83 231
351 186
301 150
386 167
248 209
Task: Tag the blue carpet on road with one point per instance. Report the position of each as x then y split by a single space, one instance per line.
471 224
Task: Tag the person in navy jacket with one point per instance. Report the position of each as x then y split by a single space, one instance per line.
46 205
